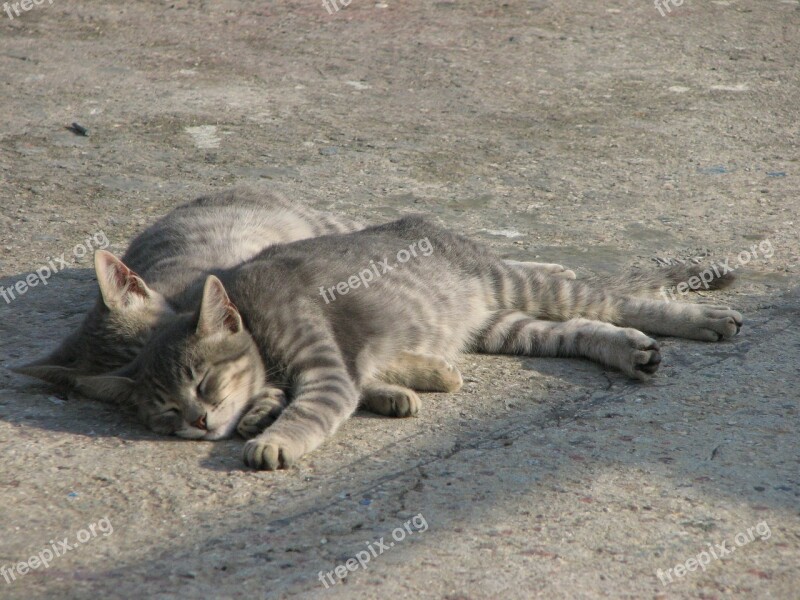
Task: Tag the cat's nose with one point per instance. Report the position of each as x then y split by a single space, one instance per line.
200 423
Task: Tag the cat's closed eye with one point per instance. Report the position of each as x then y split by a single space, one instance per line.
201 391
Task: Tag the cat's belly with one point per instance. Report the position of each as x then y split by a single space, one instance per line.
445 329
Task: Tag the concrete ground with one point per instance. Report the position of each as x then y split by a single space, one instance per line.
594 134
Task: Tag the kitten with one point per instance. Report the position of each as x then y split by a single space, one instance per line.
210 232
265 326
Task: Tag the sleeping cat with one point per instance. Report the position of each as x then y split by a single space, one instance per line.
210 232
148 285
263 328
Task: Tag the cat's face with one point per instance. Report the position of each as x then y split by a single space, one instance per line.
113 332
197 375
198 386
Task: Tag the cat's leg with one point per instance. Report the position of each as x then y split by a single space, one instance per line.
389 399
514 332
552 269
394 394
265 410
693 321
422 372
562 299
323 397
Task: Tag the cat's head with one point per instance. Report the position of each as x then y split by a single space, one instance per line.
196 376
113 332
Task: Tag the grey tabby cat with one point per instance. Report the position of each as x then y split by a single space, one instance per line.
217 231
149 285
263 328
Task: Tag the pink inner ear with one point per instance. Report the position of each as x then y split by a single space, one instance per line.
230 321
121 274
136 285
126 279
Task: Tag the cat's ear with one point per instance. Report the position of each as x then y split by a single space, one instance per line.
57 375
120 287
116 387
217 312
57 368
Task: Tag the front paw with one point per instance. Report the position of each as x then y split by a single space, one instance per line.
266 408
271 452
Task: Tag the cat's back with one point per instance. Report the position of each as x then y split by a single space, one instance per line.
220 230
408 284
401 241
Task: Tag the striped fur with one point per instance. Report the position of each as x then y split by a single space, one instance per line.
211 232
460 297
154 279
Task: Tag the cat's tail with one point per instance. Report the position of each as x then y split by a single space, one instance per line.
668 283
601 297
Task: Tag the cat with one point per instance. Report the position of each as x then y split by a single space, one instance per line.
148 286
262 329
215 231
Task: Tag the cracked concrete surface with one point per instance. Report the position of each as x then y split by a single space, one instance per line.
597 135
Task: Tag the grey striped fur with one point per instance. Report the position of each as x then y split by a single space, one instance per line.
153 282
462 297
211 232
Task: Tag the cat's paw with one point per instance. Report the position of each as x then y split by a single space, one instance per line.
266 408
270 452
715 323
565 274
391 400
552 269
438 376
639 356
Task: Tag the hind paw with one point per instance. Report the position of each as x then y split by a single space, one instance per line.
716 323
640 355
